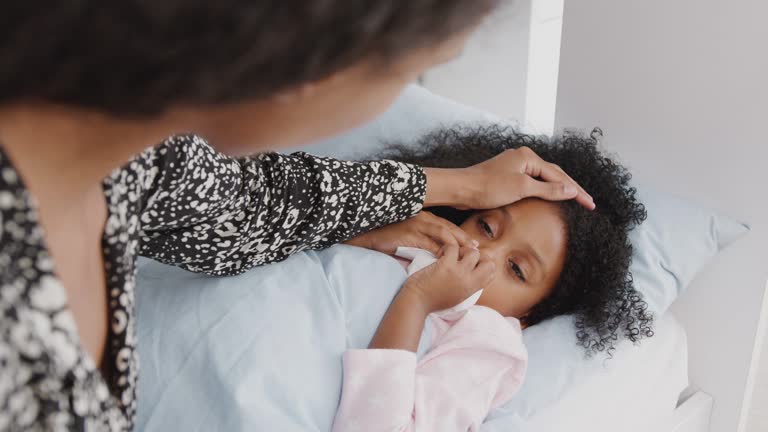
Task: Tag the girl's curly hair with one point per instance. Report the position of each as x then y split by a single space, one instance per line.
595 284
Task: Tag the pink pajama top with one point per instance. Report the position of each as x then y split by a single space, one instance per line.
474 364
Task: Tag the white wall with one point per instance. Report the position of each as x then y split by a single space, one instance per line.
509 66
543 65
491 73
680 88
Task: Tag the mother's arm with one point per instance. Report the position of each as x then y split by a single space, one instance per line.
210 213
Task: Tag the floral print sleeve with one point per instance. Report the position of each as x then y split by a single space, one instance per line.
181 203
210 213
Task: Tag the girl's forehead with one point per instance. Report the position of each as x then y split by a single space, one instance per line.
534 207
539 223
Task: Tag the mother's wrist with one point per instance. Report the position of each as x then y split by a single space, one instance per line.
360 240
454 187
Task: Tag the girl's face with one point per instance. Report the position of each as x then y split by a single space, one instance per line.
527 241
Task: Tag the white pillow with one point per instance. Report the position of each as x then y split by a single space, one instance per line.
637 388
416 112
676 241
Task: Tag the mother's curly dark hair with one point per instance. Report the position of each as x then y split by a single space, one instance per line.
141 57
595 284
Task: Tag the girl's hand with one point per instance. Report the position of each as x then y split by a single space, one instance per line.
424 231
511 176
456 275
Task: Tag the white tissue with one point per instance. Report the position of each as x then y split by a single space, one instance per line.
421 258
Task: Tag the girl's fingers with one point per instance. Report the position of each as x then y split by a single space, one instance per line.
450 253
469 257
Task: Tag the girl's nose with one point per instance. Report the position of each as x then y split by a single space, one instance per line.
489 249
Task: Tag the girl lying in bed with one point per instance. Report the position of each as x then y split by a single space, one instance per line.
534 260
264 350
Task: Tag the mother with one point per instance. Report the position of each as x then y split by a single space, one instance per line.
86 85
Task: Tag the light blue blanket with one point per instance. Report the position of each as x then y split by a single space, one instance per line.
260 351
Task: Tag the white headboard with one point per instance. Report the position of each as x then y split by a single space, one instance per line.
680 89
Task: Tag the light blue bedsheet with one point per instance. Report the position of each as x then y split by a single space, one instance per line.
260 351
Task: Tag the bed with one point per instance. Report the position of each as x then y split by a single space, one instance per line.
652 96
261 351
183 370
419 111
679 91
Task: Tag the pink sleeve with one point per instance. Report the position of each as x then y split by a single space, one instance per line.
477 364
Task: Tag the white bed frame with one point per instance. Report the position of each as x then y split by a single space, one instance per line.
679 89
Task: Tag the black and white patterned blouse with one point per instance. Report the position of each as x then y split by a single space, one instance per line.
180 203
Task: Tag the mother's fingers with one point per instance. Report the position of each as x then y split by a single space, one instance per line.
583 197
550 191
447 232
440 235
551 173
428 243
561 171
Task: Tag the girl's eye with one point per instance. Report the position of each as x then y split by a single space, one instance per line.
517 270
486 228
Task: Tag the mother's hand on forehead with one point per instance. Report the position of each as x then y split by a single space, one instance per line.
511 176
